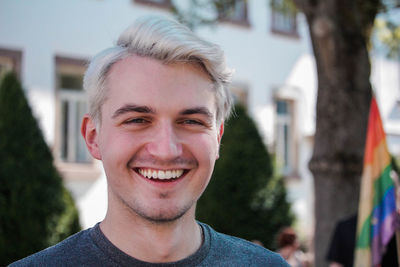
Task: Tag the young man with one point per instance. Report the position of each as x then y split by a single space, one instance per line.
157 103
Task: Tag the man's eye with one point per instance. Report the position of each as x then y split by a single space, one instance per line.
193 122
136 120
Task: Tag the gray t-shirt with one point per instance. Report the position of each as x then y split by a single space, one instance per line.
91 248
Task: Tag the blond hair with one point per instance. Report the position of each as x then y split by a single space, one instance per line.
165 40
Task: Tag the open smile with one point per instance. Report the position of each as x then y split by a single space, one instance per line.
161 175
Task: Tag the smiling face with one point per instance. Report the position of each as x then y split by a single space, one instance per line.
158 137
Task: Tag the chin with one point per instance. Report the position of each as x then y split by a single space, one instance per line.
163 215
162 218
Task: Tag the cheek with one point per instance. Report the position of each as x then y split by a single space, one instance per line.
115 148
116 153
205 149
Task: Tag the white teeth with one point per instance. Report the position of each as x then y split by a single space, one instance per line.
162 175
178 173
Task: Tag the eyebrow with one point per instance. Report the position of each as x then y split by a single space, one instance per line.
132 108
197 110
145 109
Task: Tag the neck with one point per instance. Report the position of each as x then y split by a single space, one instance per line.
153 242
286 252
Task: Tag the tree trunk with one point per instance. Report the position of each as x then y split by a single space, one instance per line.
339 31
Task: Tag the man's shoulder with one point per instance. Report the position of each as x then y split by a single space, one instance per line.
65 251
243 249
240 252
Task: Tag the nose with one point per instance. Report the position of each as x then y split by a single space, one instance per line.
165 144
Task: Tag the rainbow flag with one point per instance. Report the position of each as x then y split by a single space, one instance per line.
377 207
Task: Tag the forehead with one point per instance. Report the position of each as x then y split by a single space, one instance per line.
146 81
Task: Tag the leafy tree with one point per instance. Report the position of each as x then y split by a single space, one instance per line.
388 33
68 221
340 32
35 209
243 198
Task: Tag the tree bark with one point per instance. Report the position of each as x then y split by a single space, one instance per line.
339 31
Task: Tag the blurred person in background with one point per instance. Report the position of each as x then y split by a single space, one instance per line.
157 105
288 248
343 242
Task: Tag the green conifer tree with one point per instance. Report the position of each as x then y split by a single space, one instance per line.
35 209
244 198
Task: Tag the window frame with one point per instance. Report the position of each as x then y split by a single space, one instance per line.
275 28
16 58
242 21
240 92
286 151
166 4
72 97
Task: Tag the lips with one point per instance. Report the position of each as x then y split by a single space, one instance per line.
166 175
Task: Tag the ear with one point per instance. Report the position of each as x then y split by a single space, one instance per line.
90 134
220 133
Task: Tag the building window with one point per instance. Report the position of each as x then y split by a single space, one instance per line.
240 94
283 18
285 145
395 111
10 60
156 3
71 106
236 13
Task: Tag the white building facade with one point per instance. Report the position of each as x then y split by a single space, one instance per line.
48 43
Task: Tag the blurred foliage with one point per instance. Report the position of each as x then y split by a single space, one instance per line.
209 12
195 13
283 6
68 221
35 209
388 33
243 198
